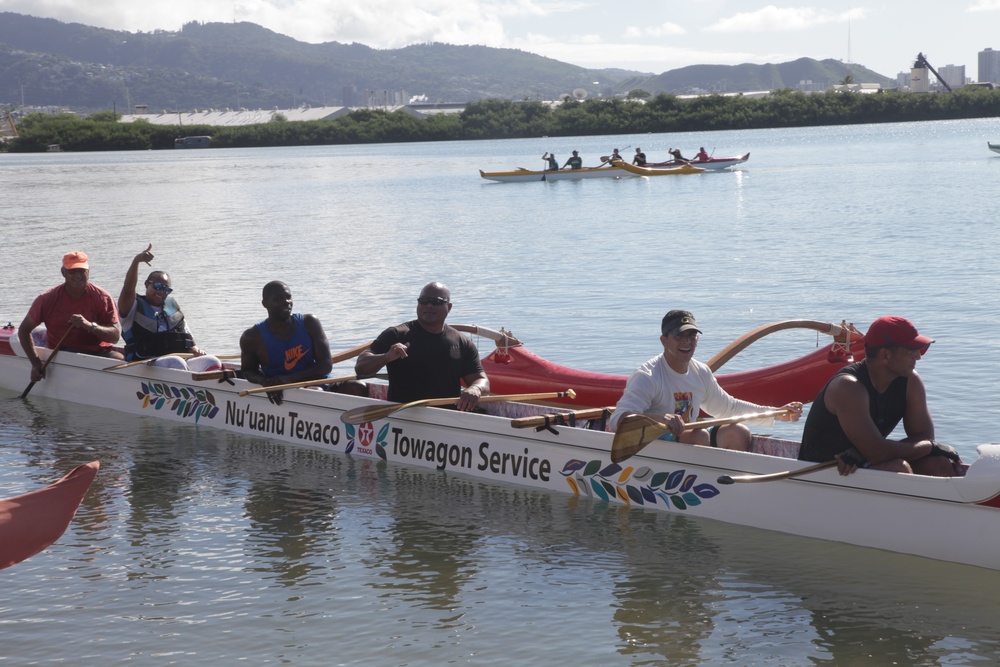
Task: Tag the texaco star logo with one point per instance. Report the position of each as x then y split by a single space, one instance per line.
366 434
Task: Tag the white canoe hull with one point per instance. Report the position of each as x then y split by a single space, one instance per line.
711 164
954 519
525 175
993 147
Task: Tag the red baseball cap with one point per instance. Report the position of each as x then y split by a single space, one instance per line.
75 260
894 330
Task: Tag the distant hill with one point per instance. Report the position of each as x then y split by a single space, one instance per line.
234 65
745 78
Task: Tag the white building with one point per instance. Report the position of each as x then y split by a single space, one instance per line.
953 75
231 117
989 66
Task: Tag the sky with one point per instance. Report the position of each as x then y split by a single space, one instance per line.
645 35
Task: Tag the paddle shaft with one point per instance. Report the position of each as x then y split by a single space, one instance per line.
628 442
296 385
52 355
559 418
375 412
183 355
775 476
336 359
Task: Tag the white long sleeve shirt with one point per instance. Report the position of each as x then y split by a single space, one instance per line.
655 387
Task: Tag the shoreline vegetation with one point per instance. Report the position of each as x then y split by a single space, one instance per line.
504 119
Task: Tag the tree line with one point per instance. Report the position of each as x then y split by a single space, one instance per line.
504 119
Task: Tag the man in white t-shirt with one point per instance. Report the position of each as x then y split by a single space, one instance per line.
674 388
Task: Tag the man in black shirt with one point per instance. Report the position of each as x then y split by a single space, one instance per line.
426 358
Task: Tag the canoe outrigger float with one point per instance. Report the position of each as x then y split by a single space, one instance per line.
950 519
31 522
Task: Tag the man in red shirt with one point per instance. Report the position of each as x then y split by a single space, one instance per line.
87 312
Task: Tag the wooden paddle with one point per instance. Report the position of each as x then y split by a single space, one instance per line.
560 418
296 385
336 359
213 375
374 412
636 431
775 476
182 355
52 355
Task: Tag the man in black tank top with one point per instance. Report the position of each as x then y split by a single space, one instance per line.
858 409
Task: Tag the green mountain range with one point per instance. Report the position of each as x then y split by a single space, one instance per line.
242 65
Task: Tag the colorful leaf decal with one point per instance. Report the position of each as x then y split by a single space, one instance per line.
674 479
572 466
182 401
677 489
642 473
635 494
599 490
658 479
610 470
706 491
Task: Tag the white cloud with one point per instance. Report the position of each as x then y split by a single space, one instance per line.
984 6
781 19
663 30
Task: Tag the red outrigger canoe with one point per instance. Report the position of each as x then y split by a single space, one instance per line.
514 370
31 522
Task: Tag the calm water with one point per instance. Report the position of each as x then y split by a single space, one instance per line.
195 546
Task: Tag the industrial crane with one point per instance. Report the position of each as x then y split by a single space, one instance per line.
921 63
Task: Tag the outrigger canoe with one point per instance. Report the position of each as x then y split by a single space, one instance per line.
869 508
32 522
513 369
521 175
711 164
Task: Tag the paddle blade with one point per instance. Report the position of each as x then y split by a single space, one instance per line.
369 413
634 432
